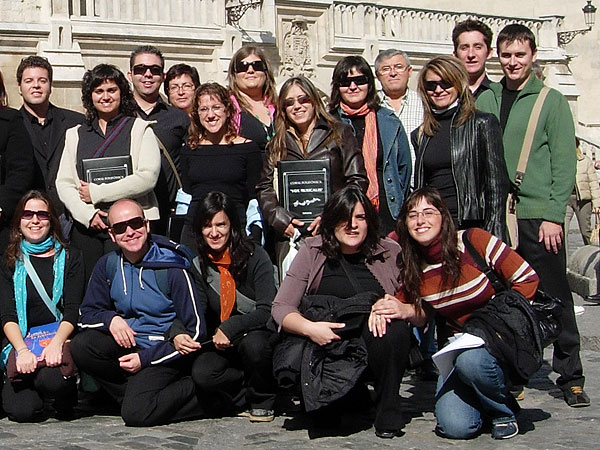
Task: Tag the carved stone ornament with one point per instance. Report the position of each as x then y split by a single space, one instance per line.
296 51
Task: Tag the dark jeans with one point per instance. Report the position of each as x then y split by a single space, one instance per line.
242 374
551 268
155 395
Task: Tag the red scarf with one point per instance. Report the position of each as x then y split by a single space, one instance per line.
227 283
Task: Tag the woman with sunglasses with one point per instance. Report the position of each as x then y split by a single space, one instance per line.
440 275
111 130
181 80
216 157
305 130
459 149
380 133
43 283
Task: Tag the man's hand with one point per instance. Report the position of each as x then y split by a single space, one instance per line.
220 340
130 362
97 223
552 235
184 344
122 332
52 353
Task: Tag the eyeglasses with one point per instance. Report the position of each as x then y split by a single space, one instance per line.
428 213
257 66
431 86
359 80
185 87
386 70
216 109
141 69
303 100
41 215
135 224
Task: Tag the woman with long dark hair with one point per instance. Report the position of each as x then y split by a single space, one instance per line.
43 283
439 274
111 130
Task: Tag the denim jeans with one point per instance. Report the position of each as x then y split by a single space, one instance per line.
475 391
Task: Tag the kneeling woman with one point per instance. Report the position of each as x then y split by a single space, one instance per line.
439 273
238 279
347 254
42 282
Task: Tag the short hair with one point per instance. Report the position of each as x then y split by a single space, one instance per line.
537 69
3 94
94 78
516 32
390 53
178 70
151 49
34 61
269 89
196 131
472 25
340 72
124 200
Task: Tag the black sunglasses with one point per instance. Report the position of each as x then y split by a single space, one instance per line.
431 86
141 69
121 227
243 66
303 100
41 215
361 79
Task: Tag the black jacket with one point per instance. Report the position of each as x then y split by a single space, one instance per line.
479 171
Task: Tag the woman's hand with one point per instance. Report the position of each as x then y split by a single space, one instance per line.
321 333
315 227
184 344
26 361
220 340
84 192
97 223
289 231
52 353
388 308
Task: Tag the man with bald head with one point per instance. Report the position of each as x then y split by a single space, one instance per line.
133 297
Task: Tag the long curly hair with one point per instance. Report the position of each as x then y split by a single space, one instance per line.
13 251
196 130
411 258
94 78
269 89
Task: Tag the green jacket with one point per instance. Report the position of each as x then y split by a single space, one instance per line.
550 174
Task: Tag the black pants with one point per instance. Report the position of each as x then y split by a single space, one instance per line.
154 395
242 374
93 245
23 400
551 268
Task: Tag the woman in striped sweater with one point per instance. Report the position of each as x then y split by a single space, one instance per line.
439 274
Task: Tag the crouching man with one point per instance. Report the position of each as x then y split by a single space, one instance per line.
133 296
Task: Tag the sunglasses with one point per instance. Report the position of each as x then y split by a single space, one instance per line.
359 80
135 224
141 69
431 86
243 66
41 215
303 100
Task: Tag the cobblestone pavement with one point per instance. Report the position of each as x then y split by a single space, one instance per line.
545 421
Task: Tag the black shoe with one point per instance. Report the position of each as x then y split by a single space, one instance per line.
576 397
595 298
386 434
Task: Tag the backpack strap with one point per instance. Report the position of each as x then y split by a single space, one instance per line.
497 283
161 275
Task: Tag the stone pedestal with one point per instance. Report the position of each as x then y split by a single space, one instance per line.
582 270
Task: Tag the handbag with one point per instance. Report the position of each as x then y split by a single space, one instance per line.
595 235
511 201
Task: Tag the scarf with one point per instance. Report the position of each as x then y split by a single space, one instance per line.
237 115
369 147
20 282
227 283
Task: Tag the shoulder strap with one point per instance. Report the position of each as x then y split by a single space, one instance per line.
112 261
165 152
162 280
529 134
108 139
497 284
39 287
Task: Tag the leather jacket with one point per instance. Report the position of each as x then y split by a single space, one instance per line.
346 162
479 172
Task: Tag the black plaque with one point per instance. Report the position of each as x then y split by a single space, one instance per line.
304 187
106 169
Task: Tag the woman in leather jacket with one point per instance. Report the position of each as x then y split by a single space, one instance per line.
459 150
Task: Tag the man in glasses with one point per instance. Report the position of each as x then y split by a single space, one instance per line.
132 299
146 74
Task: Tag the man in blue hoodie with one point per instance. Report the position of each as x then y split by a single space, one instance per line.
133 296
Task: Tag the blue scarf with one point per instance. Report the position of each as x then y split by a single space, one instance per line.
20 283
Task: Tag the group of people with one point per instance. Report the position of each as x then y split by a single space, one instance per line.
173 332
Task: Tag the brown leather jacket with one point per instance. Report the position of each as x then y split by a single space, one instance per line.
347 166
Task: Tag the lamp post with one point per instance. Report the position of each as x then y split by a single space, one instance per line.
589 15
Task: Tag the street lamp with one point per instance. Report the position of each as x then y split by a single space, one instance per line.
589 15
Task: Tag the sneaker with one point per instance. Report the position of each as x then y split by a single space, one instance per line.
576 397
505 429
258 415
579 310
594 298
387 434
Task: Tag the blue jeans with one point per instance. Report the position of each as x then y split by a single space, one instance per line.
474 391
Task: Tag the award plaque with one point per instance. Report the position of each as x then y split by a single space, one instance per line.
106 169
304 187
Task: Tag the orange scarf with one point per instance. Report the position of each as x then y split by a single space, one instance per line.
227 283
369 148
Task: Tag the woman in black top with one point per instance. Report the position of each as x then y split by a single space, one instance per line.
216 158
36 248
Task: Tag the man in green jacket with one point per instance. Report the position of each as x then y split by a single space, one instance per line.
548 181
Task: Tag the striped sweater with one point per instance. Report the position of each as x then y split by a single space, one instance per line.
474 289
